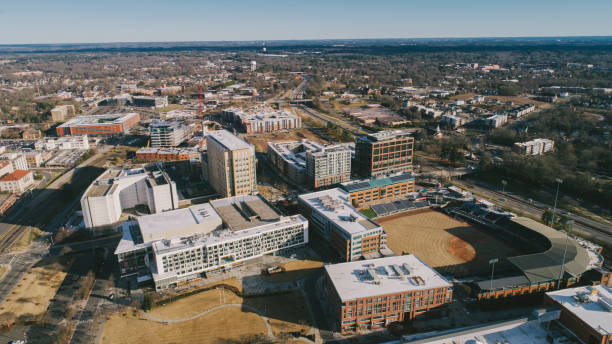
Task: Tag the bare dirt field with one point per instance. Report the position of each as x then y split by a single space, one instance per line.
261 140
449 245
294 271
33 293
517 100
285 312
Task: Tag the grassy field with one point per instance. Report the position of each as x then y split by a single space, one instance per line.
294 271
449 245
260 141
33 292
286 313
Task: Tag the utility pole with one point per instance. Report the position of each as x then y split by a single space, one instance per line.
559 181
504 185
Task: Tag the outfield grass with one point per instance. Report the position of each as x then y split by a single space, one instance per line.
369 212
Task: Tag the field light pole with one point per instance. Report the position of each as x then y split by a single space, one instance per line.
504 185
563 261
492 263
559 181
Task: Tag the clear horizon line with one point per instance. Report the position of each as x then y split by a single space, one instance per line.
320 39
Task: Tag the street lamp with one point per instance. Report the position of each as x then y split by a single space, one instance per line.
492 263
559 181
504 185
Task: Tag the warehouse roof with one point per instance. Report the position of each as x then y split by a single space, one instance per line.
242 212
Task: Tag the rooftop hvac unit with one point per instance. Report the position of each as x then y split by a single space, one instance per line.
373 276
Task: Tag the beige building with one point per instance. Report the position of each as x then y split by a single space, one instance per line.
230 164
62 112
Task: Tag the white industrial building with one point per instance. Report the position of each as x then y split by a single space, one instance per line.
63 143
116 190
17 160
175 247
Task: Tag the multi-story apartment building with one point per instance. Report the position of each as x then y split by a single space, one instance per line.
230 163
349 233
63 143
312 163
34 158
186 244
16 182
115 190
522 110
534 147
261 119
371 294
168 134
17 160
496 121
6 167
150 102
384 152
109 124
62 112
372 191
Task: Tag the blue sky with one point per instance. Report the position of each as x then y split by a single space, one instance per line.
71 21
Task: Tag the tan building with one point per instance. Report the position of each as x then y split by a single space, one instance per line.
62 112
230 164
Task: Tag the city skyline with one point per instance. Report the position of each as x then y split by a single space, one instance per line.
67 21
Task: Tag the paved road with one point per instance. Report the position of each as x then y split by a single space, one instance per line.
19 264
599 231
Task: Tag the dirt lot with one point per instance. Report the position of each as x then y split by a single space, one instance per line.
294 271
261 140
286 313
449 245
33 293
224 324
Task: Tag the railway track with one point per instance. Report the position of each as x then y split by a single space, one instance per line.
600 228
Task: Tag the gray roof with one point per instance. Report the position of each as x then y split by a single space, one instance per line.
504 282
546 266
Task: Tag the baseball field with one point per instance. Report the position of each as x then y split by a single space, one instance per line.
449 245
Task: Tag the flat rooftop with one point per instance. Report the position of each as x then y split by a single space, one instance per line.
390 275
107 182
93 120
359 185
197 219
592 305
243 212
386 135
228 140
335 205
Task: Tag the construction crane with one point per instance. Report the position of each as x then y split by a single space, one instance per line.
200 126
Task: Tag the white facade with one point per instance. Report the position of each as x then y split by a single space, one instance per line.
17 160
183 244
116 190
534 147
16 182
63 143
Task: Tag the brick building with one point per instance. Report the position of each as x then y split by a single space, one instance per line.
108 124
371 294
351 234
372 191
384 152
